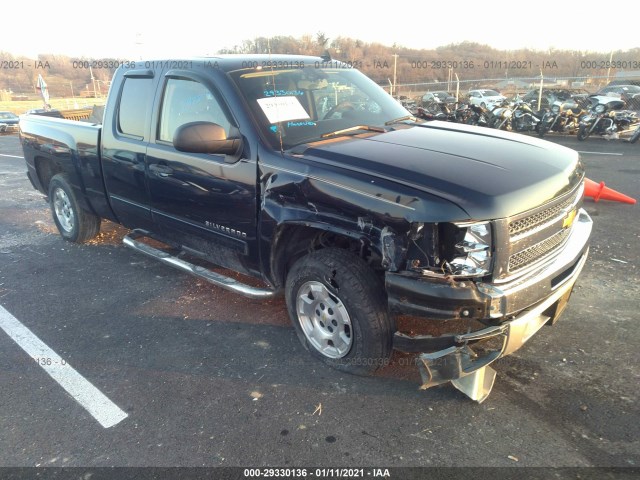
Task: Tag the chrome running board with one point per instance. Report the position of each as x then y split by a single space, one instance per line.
228 283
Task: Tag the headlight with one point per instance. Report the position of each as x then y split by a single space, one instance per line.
472 255
450 249
600 108
555 109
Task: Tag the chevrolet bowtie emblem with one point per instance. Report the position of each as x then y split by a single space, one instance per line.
568 220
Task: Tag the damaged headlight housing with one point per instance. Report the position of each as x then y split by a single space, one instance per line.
472 255
461 250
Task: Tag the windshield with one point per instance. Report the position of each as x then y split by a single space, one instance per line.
301 105
490 93
7 115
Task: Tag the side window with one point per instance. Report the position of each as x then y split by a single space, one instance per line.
186 101
133 110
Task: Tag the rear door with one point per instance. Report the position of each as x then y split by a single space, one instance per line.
205 202
124 149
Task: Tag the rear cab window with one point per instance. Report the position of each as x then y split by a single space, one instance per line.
134 106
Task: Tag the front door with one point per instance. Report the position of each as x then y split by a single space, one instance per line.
204 202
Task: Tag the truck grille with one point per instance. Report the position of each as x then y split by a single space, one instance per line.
530 238
533 254
518 227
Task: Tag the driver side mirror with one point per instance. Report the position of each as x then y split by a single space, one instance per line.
205 137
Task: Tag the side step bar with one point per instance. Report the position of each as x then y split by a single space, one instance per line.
228 283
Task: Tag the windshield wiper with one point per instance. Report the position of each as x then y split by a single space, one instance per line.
402 119
352 129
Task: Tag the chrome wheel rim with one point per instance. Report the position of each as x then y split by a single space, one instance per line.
63 209
324 320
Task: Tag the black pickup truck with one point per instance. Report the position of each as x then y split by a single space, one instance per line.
305 174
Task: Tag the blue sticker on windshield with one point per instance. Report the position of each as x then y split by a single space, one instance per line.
301 124
282 93
273 128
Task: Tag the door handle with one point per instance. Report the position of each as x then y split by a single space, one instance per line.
160 170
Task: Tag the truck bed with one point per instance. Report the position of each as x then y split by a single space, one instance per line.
59 146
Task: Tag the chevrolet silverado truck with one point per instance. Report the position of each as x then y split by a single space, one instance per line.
303 173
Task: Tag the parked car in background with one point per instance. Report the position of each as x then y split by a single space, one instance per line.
485 98
438 96
8 121
626 92
624 82
553 95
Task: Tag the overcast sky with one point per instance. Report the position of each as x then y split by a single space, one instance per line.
134 30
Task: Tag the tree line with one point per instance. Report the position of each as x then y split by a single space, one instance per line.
470 61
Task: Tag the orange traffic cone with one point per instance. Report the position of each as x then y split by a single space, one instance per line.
598 191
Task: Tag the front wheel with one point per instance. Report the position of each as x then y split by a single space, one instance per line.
583 132
74 224
542 130
337 307
635 136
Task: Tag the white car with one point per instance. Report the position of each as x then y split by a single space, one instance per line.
485 98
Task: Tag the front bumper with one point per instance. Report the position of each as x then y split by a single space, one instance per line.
527 304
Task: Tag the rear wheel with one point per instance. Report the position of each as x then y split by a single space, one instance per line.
74 224
338 309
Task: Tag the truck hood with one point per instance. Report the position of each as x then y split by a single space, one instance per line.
488 173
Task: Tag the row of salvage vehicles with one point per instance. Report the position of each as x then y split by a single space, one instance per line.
605 116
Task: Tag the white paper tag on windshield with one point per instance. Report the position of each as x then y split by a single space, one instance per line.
281 109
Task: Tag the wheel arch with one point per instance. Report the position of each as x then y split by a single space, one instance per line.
46 169
295 239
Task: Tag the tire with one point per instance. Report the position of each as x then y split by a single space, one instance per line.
74 224
338 309
635 136
583 132
542 130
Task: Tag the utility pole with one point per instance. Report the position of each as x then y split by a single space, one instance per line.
395 69
93 81
540 91
457 87
609 69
